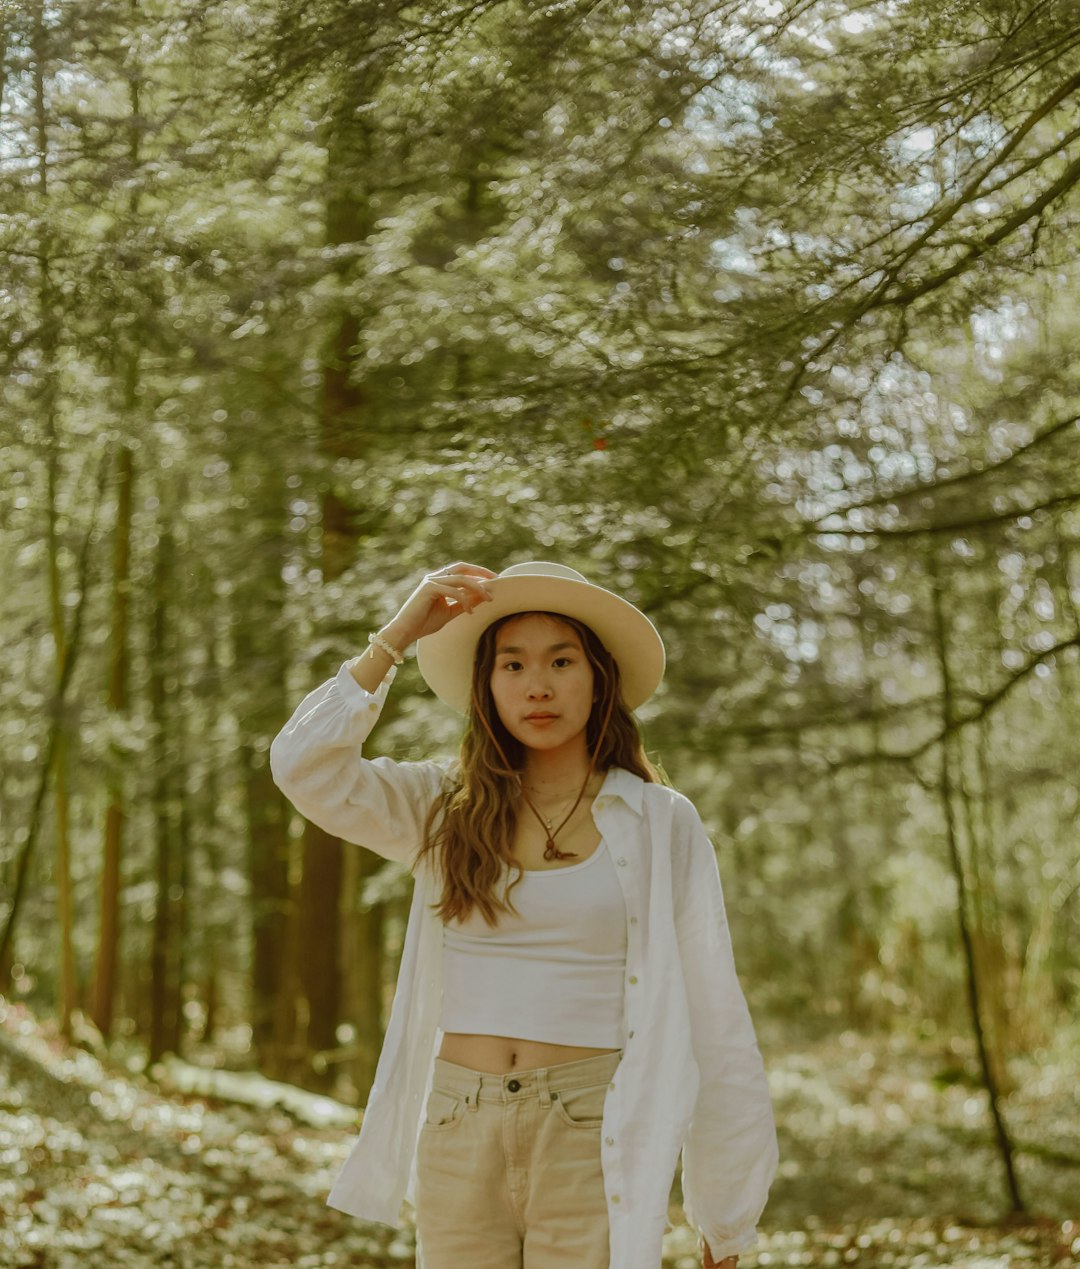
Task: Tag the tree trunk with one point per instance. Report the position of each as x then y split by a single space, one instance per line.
117 705
56 712
163 987
343 407
118 701
261 657
940 634
181 819
986 932
209 831
48 312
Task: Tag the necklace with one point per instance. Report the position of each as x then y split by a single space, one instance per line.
558 802
549 819
551 851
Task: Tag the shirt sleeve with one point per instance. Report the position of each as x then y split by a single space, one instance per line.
317 761
730 1152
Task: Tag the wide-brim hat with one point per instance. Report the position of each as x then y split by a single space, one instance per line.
445 658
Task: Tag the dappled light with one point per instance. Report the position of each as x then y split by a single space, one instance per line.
760 313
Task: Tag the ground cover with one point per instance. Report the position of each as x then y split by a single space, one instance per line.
887 1160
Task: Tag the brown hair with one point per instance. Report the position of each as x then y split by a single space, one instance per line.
477 818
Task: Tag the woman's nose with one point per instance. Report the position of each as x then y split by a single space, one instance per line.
539 688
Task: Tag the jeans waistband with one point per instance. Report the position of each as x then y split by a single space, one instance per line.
513 1085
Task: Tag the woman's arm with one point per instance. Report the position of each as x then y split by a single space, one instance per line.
317 758
730 1154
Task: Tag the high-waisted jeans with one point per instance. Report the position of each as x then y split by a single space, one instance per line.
508 1168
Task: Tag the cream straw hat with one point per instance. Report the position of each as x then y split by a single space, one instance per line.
445 658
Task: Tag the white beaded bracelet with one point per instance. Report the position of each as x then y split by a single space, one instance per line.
387 647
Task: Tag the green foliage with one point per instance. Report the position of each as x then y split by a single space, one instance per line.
748 311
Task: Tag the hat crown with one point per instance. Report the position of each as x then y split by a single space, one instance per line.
543 568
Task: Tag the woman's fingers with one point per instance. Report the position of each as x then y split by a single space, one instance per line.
462 566
458 579
461 591
441 596
707 1261
463 582
448 597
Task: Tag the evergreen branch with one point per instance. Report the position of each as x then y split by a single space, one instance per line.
985 704
961 478
976 250
951 526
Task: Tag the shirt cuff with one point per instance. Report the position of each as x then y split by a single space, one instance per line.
355 695
731 1241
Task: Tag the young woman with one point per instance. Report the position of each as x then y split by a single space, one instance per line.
567 1016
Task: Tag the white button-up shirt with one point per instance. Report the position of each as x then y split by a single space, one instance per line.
691 1077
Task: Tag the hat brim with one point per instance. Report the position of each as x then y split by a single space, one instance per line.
445 658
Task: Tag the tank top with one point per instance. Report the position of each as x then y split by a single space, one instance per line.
553 973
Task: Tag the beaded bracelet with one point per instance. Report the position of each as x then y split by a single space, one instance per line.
387 647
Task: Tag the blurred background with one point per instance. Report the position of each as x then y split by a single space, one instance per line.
761 313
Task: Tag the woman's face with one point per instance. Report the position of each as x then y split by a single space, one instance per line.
541 681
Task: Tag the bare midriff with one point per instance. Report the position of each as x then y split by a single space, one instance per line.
497 1054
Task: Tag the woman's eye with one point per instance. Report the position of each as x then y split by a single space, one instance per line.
564 660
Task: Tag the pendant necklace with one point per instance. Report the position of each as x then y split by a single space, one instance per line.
548 819
551 851
551 831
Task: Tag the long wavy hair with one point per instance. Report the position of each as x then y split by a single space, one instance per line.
471 825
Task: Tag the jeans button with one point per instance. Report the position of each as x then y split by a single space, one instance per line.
514 1085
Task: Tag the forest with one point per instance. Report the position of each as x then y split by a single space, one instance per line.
757 312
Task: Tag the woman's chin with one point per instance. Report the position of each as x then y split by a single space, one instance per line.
548 739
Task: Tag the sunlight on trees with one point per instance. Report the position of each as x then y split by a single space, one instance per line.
759 312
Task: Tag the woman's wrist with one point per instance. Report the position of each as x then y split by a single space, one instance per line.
396 636
384 646
385 649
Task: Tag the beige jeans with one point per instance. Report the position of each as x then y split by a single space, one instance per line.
508 1168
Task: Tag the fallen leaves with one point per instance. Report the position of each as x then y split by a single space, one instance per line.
882 1166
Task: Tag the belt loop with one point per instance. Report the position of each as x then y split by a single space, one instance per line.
472 1098
542 1087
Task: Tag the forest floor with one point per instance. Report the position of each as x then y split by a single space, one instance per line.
887 1160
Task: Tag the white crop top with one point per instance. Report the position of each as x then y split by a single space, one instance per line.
555 972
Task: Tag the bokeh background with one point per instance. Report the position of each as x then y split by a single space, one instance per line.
760 312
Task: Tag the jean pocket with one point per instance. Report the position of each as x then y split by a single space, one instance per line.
581 1107
444 1109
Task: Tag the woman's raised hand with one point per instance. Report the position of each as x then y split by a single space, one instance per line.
443 595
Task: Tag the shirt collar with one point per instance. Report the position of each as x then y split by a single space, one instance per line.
623 784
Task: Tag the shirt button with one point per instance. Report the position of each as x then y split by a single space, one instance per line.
616 1199
609 1141
633 920
611 1085
633 978
620 861
630 1035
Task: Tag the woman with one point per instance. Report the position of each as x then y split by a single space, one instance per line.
567 940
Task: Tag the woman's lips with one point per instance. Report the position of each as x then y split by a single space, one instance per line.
538 720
